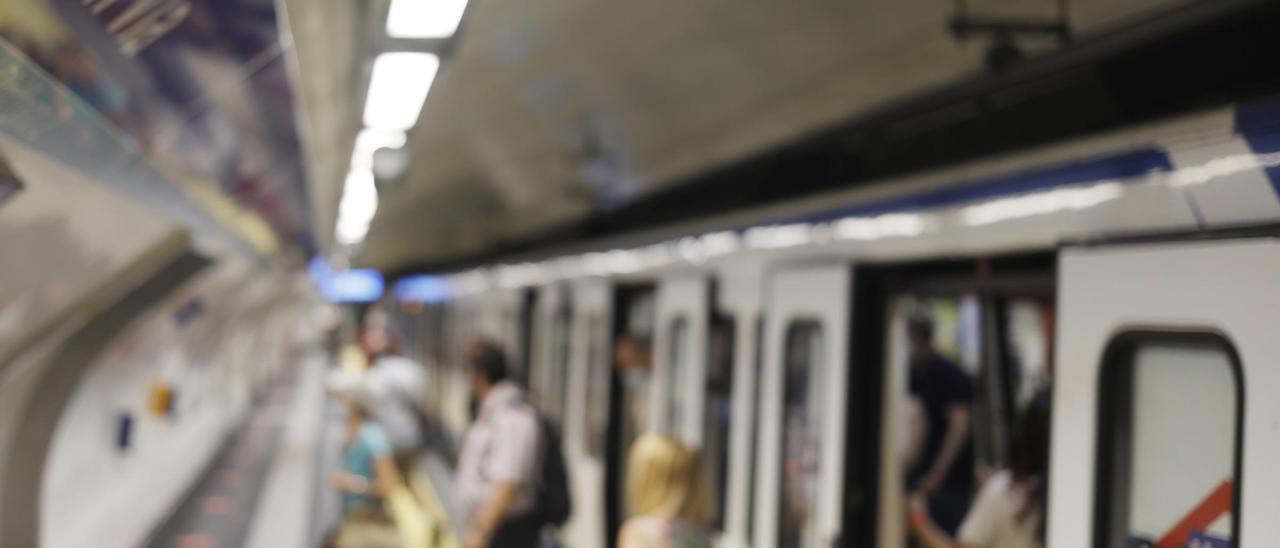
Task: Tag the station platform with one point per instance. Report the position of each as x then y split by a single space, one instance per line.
269 486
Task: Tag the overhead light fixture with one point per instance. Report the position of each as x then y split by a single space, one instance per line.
398 88
355 211
368 141
424 18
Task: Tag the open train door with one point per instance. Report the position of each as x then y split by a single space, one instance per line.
683 317
801 446
1154 440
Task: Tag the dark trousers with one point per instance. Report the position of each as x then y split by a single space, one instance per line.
517 532
948 507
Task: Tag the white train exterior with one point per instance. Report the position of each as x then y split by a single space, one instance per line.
1163 230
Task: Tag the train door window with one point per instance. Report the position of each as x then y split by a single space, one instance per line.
678 376
1169 447
524 344
717 413
1028 330
597 388
803 377
557 381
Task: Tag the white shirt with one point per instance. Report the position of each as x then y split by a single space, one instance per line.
996 520
501 447
396 387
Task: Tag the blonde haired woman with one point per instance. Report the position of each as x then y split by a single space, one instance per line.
666 498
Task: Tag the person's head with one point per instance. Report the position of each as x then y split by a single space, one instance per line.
356 402
379 341
488 367
355 408
473 346
920 338
632 353
662 480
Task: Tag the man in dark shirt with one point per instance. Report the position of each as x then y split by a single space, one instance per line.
943 473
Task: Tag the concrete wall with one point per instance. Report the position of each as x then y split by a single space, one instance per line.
214 360
90 286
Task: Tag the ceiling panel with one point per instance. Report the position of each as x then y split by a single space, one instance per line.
548 111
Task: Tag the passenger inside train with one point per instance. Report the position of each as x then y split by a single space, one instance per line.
663 274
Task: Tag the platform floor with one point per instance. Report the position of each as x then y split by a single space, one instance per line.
268 487
221 507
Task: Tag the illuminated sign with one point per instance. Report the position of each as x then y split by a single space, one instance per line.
422 289
346 286
354 286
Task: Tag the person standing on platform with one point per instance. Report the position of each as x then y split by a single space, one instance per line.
367 477
497 476
944 469
397 387
668 502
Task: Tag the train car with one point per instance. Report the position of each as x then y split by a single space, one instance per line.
1132 274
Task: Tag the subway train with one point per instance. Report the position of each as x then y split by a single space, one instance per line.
1132 274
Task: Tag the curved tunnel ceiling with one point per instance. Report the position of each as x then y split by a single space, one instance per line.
546 114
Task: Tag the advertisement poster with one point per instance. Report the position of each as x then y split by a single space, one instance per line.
200 86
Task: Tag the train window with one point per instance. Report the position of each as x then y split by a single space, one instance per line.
678 375
803 377
1171 408
717 411
597 388
1027 336
556 391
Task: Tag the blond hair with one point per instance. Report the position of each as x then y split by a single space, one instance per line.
663 480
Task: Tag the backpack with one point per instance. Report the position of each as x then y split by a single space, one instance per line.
554 503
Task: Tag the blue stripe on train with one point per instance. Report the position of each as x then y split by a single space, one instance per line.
1115 168
1259 124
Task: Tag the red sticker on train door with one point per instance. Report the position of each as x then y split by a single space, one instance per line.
1214 506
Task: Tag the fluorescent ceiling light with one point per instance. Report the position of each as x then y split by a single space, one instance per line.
424 18
355 211
397 89
369 141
